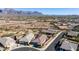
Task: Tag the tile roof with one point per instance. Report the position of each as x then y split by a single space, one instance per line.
69 45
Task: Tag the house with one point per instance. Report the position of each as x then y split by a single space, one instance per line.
42 39
7 42
68 46
49 31
39 41
27 39
73 33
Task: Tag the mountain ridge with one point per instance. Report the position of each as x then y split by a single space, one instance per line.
15 12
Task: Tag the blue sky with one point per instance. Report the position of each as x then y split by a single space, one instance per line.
53 11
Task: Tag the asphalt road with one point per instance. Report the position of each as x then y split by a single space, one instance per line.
51 47
25 49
